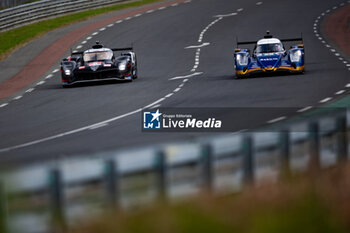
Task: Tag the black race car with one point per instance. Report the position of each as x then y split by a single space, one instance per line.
99 64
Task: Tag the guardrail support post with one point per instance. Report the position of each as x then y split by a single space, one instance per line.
342 140
112 183
248 164
284 144
3 209
161 174
57 202
314 145
207 164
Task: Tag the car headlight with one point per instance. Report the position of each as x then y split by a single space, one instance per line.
242 59
67 72
122 66
295 56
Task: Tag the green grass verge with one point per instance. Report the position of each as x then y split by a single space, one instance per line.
17 37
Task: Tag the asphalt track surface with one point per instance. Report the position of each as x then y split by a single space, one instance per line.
51 122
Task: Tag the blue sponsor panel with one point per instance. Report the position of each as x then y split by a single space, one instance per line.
152 120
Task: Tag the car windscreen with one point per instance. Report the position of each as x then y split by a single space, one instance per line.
98 56
269 48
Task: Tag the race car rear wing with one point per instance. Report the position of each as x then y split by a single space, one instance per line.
115 49
123 49
268 35
76 53
282 40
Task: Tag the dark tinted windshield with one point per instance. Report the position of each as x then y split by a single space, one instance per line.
269 48
98 56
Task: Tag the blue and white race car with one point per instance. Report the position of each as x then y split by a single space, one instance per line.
269 56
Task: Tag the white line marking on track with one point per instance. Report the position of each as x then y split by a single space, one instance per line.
137 15
276 119
161 8
175 4
102 29
94 34
79 47
30 90
40 83
55 70
68 132
118 21
187 76
240 9
227 15
3 105
150 11
197 46
17 97
49 76
259 3
84 42
98 126
305 109
154 103
177 89
155 106
340 92
110 25
169 95
127 18
325 100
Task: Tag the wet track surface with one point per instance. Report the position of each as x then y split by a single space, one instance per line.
51 121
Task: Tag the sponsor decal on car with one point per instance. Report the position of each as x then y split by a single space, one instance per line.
95 63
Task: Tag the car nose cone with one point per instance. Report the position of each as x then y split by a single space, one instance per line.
269 62
94 68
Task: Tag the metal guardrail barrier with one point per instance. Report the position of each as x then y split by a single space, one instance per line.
11 3
55 194
28 13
